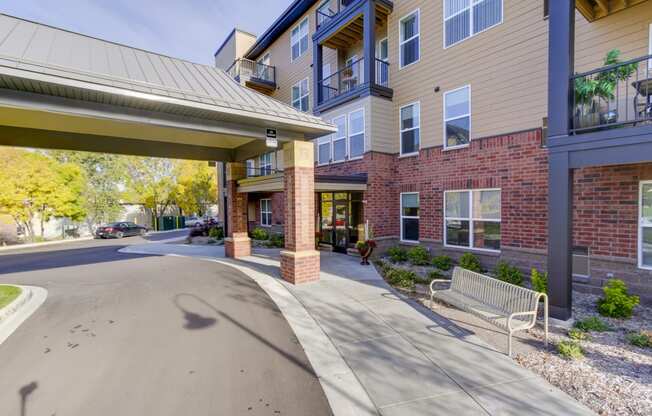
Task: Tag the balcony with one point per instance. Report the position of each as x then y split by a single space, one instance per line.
254 75
349 83
615 96
340 23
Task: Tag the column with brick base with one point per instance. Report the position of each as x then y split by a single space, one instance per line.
299 260
237 244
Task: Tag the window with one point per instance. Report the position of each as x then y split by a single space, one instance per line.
266 164
649 50
266 212
645 226
324 150
457 117
356 134
339 140
251 168
409 39
382 70
326 74
410 131
410 216
299 39
465 18
472 219
300 95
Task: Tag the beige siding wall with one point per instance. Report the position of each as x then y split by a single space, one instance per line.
627 31
234 47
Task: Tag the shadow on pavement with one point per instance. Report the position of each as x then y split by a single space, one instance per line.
24 393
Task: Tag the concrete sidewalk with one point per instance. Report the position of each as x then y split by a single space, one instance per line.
407 359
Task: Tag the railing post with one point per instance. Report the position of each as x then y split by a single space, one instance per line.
317 72
561 52
369 74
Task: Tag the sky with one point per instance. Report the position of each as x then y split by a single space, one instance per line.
187 29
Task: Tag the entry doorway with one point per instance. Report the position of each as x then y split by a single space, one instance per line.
340 216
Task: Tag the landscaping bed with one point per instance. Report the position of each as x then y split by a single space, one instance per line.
603 362
8 294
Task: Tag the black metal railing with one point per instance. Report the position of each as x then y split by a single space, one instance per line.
613 96
350 78
247 69
327 11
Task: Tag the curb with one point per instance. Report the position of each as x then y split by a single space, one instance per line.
17 312
44 244
24 297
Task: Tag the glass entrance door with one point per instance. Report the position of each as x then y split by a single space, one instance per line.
341 242
340 216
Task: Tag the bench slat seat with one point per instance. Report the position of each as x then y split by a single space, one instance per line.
506 306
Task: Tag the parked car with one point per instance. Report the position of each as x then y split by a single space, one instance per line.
193 221
120 230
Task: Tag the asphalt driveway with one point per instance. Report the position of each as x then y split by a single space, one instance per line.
134 335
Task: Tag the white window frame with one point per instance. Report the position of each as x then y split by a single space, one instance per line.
649 48
401 130
325 74
337 138
471 219
349 134
400 203
321 141
301 96
298 27
402 41
251 168
641 226
264 165
262 212
446 120
471 33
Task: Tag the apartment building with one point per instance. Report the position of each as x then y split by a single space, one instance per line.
453 125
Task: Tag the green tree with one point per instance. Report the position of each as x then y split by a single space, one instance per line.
105 175
152 182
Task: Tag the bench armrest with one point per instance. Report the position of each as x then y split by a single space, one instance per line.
514 315
438 281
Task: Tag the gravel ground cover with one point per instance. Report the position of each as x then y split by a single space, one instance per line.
613 377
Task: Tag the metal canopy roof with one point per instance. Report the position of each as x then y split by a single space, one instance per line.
38 60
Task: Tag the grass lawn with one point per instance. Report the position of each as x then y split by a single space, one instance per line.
8 294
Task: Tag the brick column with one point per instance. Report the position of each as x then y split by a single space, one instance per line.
237 244
299 260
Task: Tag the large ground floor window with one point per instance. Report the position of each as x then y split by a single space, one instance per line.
472 219
645 226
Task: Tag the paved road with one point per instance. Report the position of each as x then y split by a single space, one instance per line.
134 335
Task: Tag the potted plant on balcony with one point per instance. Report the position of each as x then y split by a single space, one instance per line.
366 247
594 92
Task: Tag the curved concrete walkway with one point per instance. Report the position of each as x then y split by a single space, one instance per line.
391 356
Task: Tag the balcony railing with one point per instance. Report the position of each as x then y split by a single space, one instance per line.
327 11
614 96
247 69
350 78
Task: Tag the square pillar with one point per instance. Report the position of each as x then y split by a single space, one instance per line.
369 31
237 243
317 74
299 260
560 236
561 53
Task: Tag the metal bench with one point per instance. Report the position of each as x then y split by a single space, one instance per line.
506 306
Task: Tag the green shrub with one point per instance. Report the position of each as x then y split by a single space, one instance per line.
617 303
397 254
508 273
578 334
639 339
260 234
402 278
216 233
418 256
592 324
539 281
444 263
435 274
276 241
570 350
469 261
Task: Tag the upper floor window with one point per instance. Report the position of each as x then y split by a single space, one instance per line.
457 117
339 139
356 134
409 39
251 168
299 39
301 95
465 18
410 128
324 150
266 164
